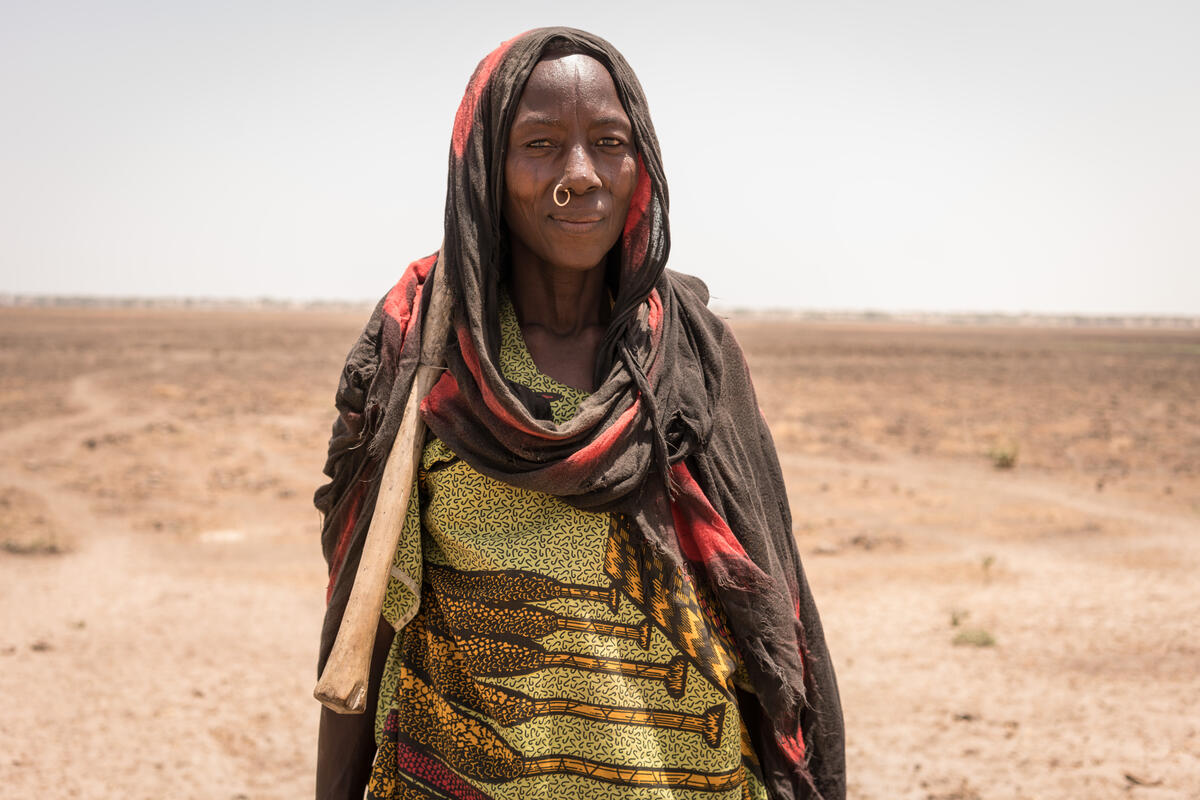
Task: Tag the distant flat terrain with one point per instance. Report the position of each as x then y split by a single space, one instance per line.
1028 631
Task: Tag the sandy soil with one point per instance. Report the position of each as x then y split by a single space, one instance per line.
1028 632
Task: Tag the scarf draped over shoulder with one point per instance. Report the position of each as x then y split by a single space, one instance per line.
672 439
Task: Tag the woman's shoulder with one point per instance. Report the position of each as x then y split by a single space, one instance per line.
692 287
692 294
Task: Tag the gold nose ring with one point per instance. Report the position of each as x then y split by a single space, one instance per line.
564 202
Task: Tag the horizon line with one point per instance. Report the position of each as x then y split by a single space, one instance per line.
778 313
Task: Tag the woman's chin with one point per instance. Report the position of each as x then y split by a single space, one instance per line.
576 259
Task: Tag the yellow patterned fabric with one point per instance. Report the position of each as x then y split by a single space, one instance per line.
549 656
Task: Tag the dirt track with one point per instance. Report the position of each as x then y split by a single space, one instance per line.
161 584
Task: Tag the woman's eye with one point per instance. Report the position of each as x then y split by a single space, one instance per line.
540 143
609 141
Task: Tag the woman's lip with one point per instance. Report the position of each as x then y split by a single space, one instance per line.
572 225
576 220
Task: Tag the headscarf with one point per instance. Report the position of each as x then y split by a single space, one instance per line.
672 438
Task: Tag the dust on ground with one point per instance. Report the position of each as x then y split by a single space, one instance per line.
1028 631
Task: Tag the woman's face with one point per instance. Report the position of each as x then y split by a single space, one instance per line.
569 129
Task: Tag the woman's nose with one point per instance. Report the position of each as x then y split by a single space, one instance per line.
579 173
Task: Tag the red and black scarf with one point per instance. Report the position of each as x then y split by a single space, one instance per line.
672 438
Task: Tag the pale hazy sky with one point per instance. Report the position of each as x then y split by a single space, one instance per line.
894 155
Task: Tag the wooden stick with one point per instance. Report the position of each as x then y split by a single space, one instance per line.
342 686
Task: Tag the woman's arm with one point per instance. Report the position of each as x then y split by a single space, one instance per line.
346 742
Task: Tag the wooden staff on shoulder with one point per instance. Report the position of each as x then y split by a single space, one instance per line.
342 686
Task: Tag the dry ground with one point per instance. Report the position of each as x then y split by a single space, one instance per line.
161 584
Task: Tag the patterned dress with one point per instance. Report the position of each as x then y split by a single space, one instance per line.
550 656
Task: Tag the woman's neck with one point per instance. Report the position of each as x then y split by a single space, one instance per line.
561 302
563 314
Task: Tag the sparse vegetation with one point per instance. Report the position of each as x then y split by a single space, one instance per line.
986 564
974 637
32 547
1004 455
964 791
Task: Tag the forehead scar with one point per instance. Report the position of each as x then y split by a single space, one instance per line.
534 118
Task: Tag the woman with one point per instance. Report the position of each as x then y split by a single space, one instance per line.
596 593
